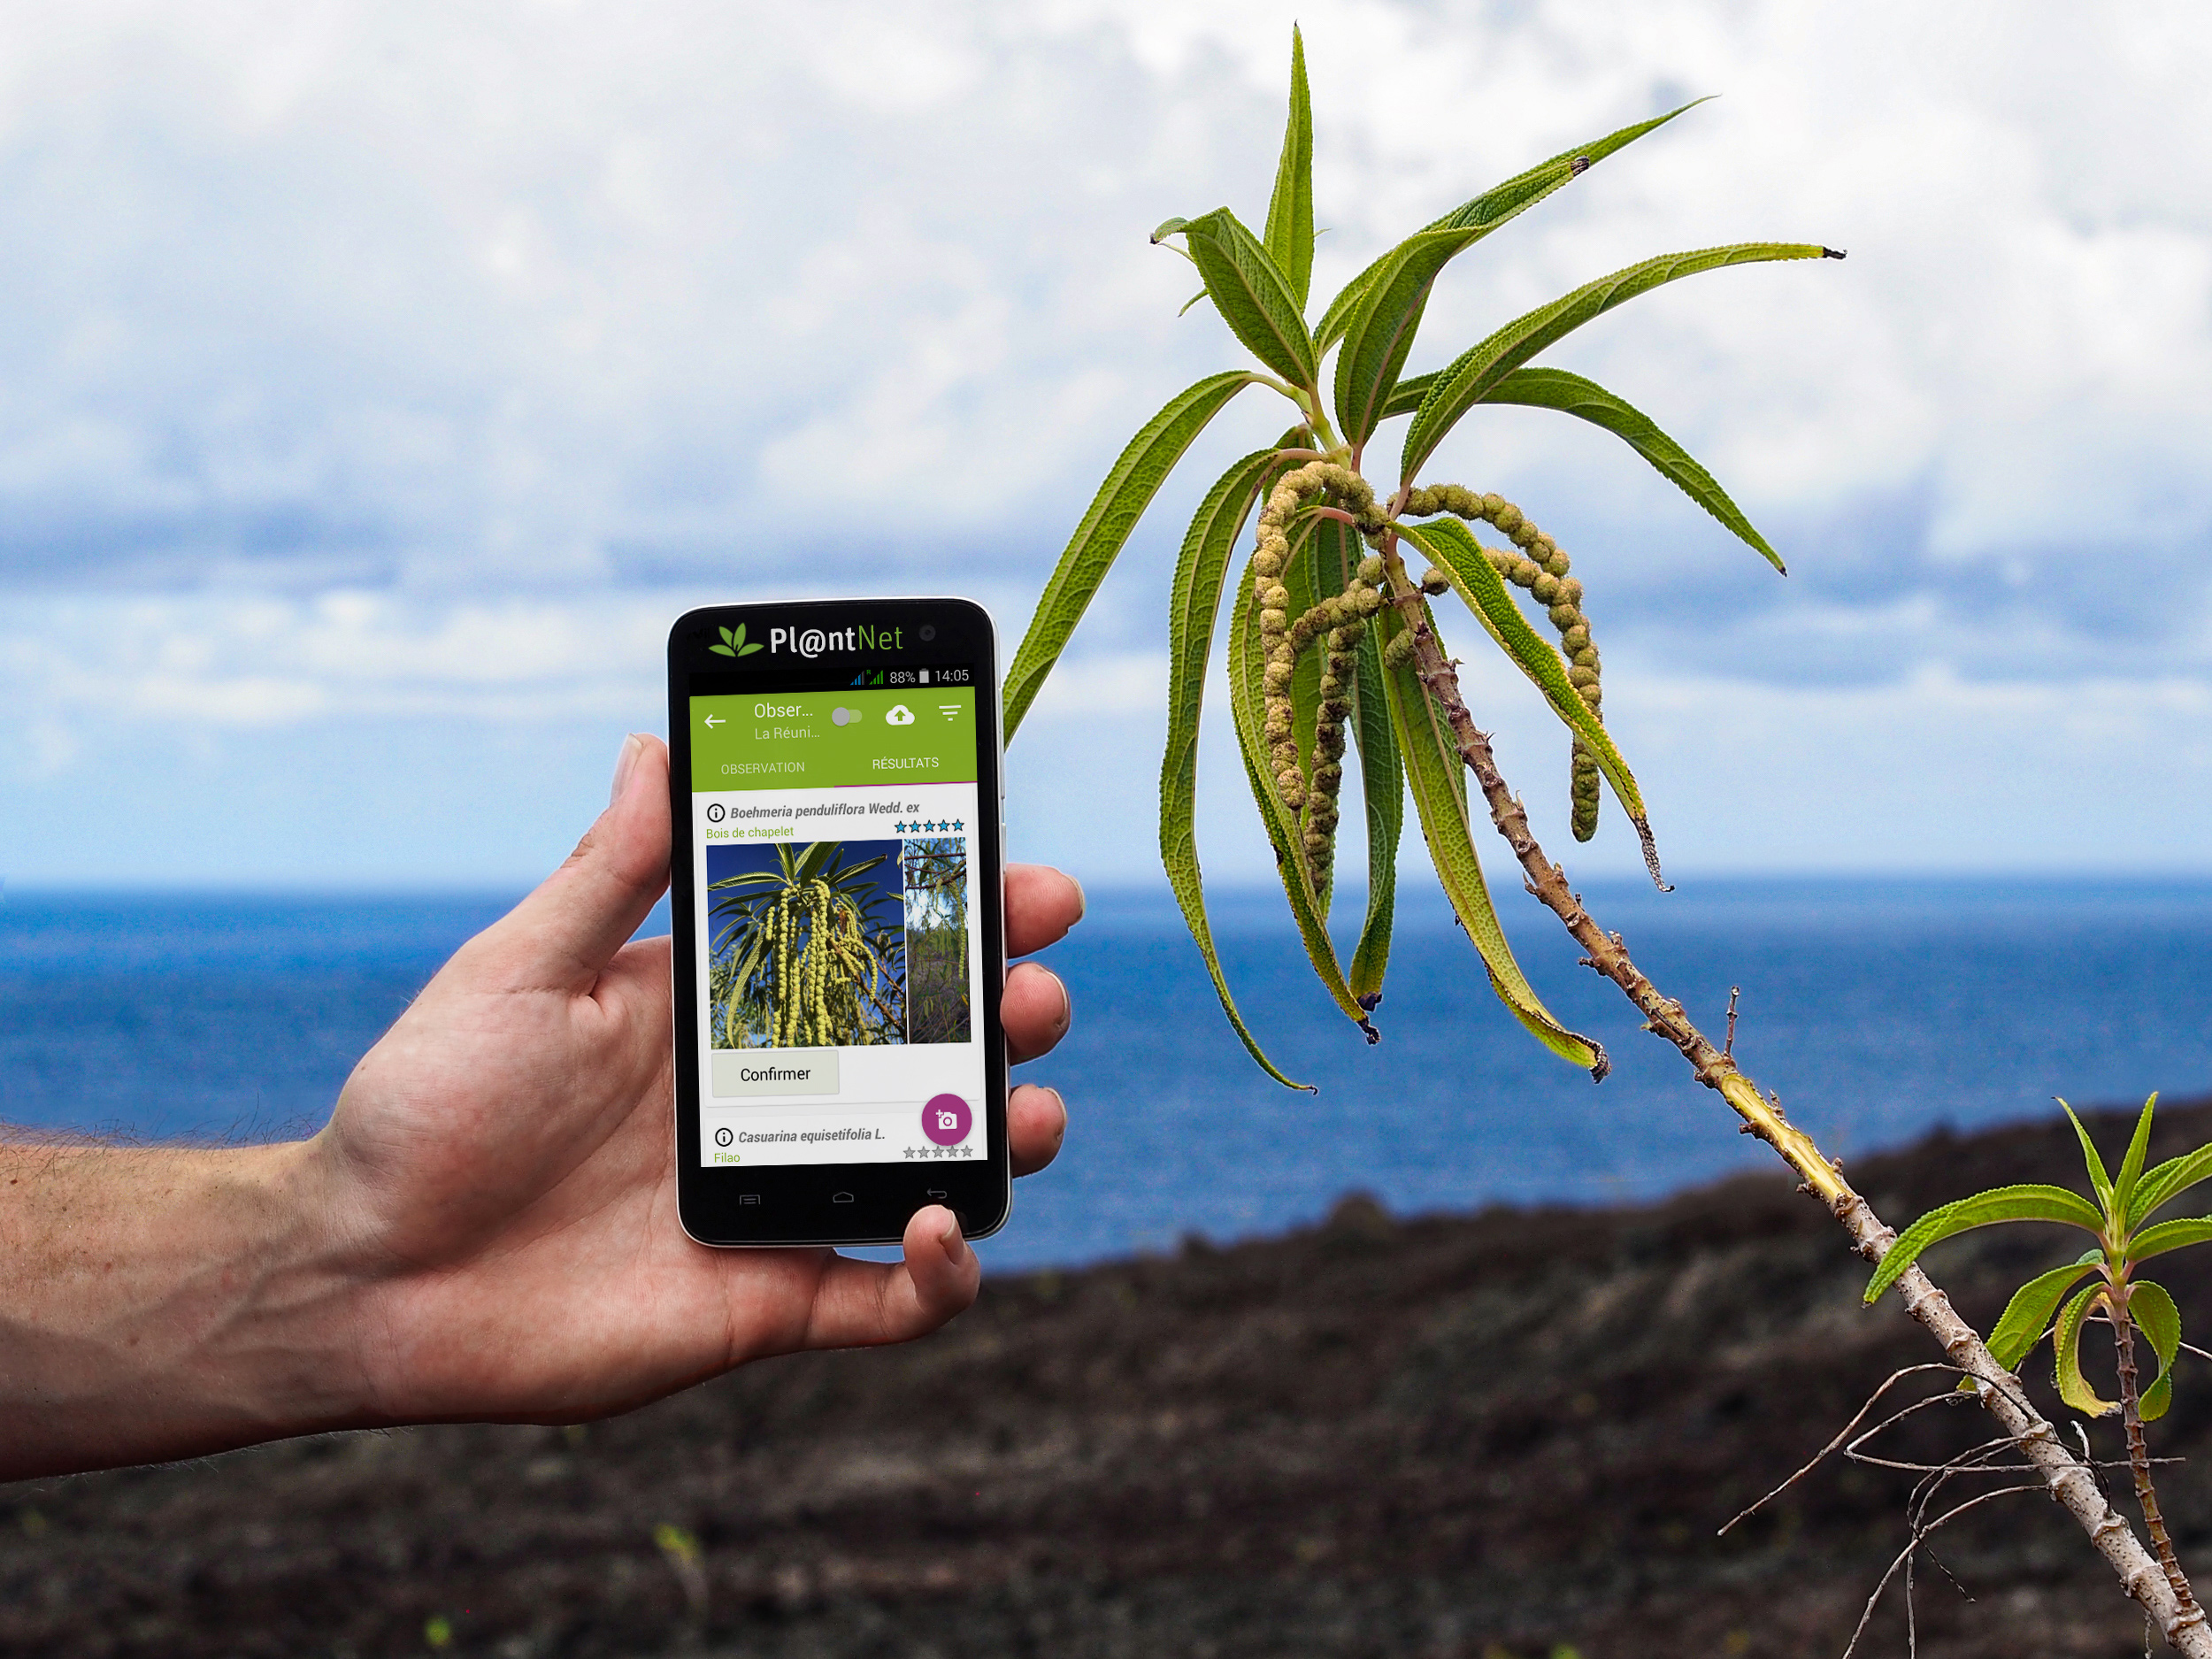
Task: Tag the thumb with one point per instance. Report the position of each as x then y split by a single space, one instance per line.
567 931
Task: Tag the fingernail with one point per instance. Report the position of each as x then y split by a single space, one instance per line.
951 1243
625 763
1060 1099
1067 1003
1082 900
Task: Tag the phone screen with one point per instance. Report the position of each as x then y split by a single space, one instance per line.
834 887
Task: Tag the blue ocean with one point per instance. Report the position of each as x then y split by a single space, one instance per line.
1878 1009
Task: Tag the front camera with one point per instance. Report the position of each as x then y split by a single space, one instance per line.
929 632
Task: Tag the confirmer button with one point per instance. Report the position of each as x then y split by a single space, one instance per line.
743 1072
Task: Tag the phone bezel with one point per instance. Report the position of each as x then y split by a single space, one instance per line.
796 1204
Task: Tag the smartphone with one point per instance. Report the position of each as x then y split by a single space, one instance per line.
838 902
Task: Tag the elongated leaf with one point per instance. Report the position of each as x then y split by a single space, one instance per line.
1406 397
1452 547
2031 1202
1195 602
2073 1387
2162 1186
1246 660
1121 500
1502 202
1290 210
2131 1173
1432 762
1337 551
2099 1182
2028 1315
2169 1235
1587 400
1252 295
1303 583
1469 378
2153 1310
1379 330
1383 783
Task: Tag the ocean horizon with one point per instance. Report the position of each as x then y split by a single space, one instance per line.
1880 1007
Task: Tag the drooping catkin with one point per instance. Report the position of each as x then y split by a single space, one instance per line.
1338 673
1540 566
1282 637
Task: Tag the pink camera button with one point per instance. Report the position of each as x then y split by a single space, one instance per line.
946 1120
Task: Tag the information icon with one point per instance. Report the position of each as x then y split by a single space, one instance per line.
946 1120
723 1137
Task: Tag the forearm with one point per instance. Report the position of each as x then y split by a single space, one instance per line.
164 1303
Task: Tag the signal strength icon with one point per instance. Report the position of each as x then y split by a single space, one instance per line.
861 679
878 680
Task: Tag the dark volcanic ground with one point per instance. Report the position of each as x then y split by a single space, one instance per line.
1486 1436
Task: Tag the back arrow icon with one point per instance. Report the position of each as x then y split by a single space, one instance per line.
715 721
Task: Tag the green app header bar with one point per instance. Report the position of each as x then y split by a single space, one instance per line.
833 739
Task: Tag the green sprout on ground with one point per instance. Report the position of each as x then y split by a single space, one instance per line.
2120 1222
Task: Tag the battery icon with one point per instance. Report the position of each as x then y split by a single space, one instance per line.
925 679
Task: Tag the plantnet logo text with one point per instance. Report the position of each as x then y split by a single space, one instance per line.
811 642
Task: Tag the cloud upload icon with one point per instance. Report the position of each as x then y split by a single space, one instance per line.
899 715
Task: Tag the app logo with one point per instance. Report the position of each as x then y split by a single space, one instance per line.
899 715
946 1119
733 644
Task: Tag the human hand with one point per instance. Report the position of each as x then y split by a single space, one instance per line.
499 1177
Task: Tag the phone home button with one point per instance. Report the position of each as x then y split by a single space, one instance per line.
935 1192
840 1198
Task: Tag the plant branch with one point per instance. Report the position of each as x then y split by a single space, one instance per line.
2070 1483
2139 1459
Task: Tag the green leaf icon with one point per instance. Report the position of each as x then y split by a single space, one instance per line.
743 649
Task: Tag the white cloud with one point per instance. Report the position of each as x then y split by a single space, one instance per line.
395 362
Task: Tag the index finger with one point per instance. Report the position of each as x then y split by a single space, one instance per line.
1042 904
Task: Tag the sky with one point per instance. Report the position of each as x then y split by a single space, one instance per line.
379 381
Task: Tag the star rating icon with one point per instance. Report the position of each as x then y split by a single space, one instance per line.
932 826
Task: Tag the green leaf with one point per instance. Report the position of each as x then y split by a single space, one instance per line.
2073 1387
2169 1235
2162 1186
1382 782
2033 1202
1252 295
1301 583
728 638
1586 400
2153 1310
2099 1182
1195 601
2124 1184
1337 551
1379 327
1452 547
1289 234
1494 206
721 650
1432 764
1121 500
1470 377
1246 660
1406 397
2028 1315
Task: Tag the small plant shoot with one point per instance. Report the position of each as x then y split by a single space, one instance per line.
2050 1304
1331 642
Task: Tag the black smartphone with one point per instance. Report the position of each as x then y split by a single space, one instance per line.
838 902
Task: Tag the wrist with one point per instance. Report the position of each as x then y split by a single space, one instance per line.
169 1304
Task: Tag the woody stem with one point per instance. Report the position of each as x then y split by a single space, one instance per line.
2070 1482
2139 1459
